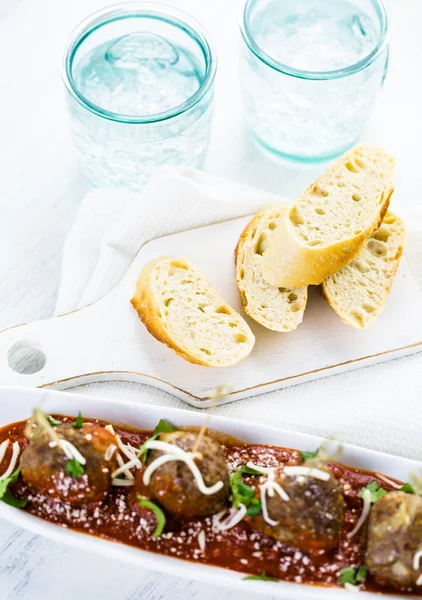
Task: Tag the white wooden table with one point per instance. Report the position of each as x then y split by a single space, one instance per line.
40 191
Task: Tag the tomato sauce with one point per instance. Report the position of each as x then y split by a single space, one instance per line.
119 518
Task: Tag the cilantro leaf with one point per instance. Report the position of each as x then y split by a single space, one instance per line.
353 575
79 423
375 491
408 488
74 468
159 515
249 470
242 493
361 574
7 496
262 577
162 426
143 451
347 575
254 508
53 421
308 455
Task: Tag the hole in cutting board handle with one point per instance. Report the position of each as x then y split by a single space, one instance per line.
26 357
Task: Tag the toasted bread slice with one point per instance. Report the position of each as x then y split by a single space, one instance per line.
358 292
180 308
329 223
276 308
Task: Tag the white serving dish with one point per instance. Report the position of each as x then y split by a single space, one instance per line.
106 340
17 404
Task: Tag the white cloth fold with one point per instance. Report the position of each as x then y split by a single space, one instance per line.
112 225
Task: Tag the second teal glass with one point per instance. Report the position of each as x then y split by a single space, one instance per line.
311 70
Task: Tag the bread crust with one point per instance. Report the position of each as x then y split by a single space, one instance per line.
148 311
246 236
145 303
368 320
291 262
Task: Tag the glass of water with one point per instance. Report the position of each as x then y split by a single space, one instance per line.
139 78
311 70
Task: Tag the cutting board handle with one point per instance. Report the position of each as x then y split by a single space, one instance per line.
51 350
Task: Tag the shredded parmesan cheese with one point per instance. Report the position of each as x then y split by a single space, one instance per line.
349 587
365 512
122 464
263 470
234 517
174 453
125 467
3 447
15 453
271 486
69 449
265 514
130 454
122 482
416 559
127 450
393 484
110 451
201 540
310 471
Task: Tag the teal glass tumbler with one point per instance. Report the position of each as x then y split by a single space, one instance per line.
139 78
310 73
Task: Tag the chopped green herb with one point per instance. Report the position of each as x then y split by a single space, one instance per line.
74 468
143 451
352 575
7 496
254 508
361 574
79 423
53 421
244 494
308 455
376 491
347 575
249 471
262 577
159 515
408 488
162 427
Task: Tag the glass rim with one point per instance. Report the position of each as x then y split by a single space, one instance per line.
317 75
155 10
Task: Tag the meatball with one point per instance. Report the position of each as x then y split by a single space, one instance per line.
173 484
312 517
394 537
43 464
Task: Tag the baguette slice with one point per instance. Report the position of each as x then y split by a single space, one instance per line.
358 292
330 222
180 308
276 308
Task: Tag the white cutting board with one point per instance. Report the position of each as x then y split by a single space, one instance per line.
106 340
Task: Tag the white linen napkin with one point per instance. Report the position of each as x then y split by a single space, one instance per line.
112 225
377 407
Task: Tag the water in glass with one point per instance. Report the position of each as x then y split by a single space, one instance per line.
301 117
